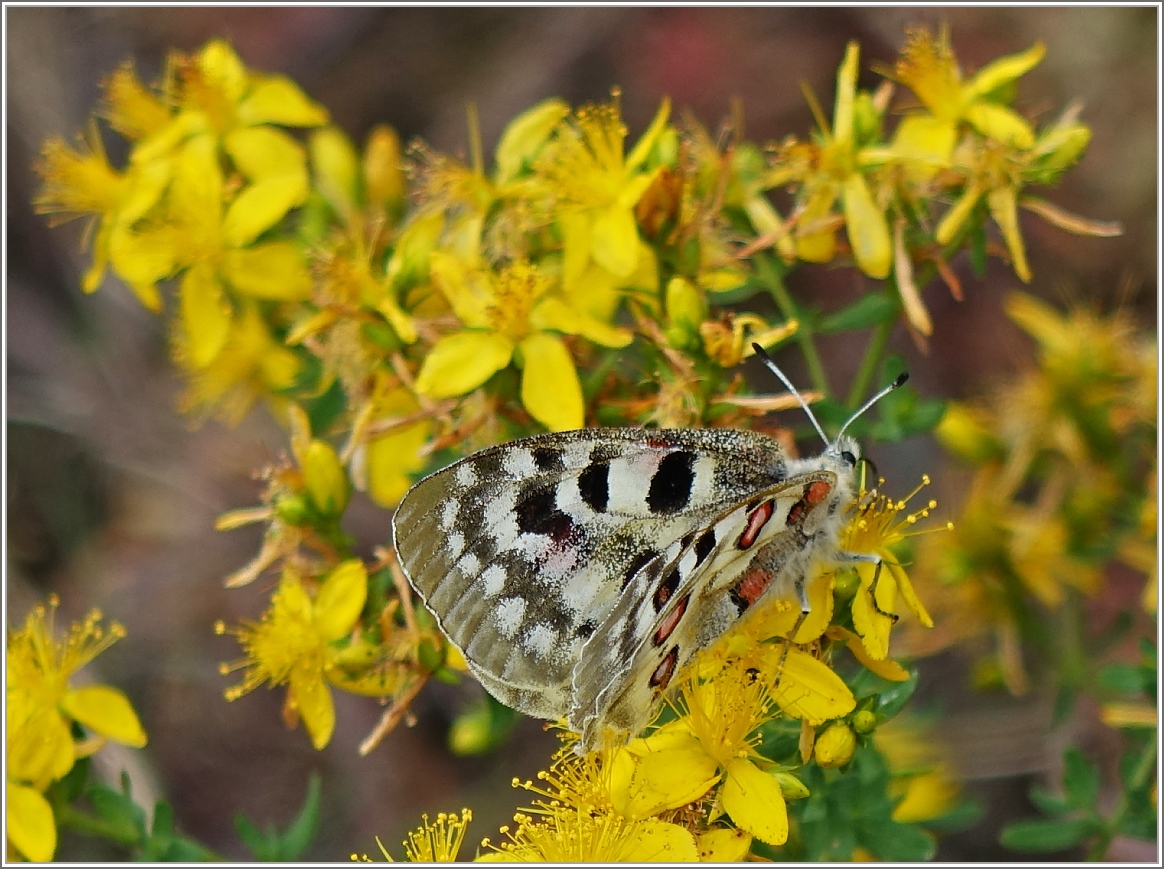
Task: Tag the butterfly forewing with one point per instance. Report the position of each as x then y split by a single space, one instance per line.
523 550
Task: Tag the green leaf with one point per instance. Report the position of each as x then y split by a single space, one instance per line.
1122 678
870 310
1065 699
1080 780
273 846
896 842
1047 801
1054 835
117 809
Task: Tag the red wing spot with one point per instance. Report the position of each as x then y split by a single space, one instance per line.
817 492
797 512
671 621
757 519
665 670
751 588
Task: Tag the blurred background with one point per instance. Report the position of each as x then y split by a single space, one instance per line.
112 496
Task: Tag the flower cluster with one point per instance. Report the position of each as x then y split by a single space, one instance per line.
1064 484
44 712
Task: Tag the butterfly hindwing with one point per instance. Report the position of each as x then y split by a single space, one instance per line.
709 580
522 550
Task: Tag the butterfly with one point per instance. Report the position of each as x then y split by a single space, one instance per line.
579 571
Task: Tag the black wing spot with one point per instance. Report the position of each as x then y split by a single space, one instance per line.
672 482
704 546
594 486
549 460
638 563
586 629
537 514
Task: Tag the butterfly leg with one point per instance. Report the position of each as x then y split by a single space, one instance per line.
868 558
805 609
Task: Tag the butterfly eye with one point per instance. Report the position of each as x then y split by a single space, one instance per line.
849 457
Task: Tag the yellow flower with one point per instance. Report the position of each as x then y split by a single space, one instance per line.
712 743
928 67
839 172
41 704
294 644
213 235
439 842
922 776
511 315
81 182
875 529
250 365
597 187
570 834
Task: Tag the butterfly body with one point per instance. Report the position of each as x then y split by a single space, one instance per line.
579 571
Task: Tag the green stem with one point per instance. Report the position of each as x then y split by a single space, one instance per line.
870 363
1144 768
774 281
91 826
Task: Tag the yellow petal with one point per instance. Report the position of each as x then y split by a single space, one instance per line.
312 698
107 711
336 168
461 362
1001 124
463 287
615 240
809 689
553 313
205 314
724 845
409 263
141 259
196 188
1004 70
867 228
222 68
663 775
754 801
646 142
261 205
274 270
655 841
871 621
550 390
956 217
846 91
1003 208
576 242
31 828
886 668
905 587
392 460
925 143
341 599
278 100
524 136
133 110
40 746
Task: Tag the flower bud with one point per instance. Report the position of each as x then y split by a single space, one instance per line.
864 721
686 309
384 183
792 787
835 747
327 482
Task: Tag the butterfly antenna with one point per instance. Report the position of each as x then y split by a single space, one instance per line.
788 383
901 378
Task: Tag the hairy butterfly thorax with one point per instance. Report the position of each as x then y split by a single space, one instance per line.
579 571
